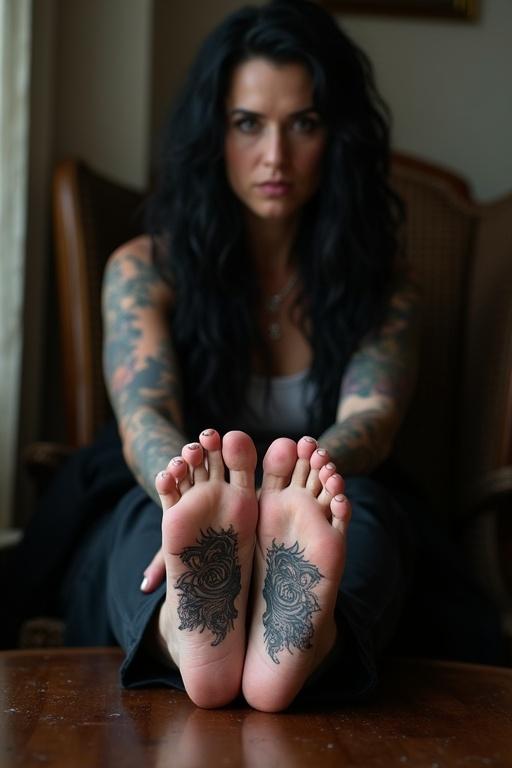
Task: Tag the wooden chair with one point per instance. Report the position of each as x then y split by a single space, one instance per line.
457 439
92 216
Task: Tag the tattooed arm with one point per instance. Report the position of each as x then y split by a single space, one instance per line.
139 364
376 388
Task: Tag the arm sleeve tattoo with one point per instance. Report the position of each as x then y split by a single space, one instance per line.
140 369
377 387
211 583
290 600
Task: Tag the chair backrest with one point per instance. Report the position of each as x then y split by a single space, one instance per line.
458 431
92 216
440 227
459 427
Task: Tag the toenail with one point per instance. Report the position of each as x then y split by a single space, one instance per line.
340 497
309 439
193 446
144 584
321 452
330 465
177 460
207 433
163 474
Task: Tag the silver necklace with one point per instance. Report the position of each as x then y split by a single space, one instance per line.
273 305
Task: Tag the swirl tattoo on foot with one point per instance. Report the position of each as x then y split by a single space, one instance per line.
290 601
210 586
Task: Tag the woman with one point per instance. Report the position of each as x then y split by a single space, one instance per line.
267 303
268 298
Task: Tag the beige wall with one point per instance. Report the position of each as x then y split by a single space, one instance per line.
449 87
103 85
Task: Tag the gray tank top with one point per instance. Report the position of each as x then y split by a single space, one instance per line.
282 408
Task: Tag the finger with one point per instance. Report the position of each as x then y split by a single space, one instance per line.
154 573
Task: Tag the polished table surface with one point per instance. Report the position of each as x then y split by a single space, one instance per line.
65 708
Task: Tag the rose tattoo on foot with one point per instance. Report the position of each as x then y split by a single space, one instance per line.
210 586
289 598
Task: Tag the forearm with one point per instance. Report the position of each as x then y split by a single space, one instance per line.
377 387
359 443
150 440
141 372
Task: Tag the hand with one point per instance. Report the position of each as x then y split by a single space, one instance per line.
154 573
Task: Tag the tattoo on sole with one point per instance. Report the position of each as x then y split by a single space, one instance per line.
290 601
208 589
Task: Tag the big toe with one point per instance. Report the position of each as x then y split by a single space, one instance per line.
278 464
239 454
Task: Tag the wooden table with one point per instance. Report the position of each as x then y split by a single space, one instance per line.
65 708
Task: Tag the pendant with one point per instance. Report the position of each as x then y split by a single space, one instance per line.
274 331
274 302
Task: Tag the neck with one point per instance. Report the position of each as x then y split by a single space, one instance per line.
271 243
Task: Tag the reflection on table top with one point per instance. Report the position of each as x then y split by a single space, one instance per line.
66 708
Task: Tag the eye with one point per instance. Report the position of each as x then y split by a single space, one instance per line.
306 124
247 124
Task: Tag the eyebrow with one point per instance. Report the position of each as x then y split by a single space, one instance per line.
252 113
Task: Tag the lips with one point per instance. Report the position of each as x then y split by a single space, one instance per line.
274 188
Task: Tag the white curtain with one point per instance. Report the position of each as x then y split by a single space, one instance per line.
15 23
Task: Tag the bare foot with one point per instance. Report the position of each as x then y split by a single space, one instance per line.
298 565
208 535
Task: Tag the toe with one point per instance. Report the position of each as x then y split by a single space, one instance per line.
165 485
278 464
180 471
319 458
341 512
239 455
305 448
333 485
326 472
211 442
194 456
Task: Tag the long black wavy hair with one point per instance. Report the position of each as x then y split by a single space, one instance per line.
347 243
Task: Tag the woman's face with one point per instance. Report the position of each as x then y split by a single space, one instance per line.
275 138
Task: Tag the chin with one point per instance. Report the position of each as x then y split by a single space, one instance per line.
275 211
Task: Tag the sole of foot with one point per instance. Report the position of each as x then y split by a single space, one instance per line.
298 565
208 537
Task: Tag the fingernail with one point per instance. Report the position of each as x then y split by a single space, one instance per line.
340 497
207 432
144 584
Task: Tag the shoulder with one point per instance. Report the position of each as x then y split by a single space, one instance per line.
139 249
133 265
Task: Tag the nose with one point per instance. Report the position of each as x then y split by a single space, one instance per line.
275 149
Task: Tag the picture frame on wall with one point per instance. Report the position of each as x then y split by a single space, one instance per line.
451 9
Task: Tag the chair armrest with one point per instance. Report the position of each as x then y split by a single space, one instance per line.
43 459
